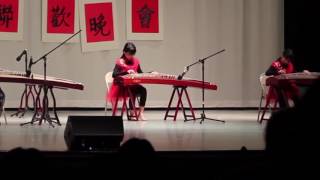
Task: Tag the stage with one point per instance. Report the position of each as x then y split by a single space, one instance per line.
241 129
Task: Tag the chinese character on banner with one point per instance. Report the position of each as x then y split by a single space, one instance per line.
9 16
99 22
61 16
60 20
145 16
144 19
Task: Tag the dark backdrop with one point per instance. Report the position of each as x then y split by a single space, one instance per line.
302 19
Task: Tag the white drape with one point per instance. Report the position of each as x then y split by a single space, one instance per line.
251 31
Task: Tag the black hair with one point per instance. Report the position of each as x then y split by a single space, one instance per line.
288 53
130 48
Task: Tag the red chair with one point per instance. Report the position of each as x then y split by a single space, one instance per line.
124 108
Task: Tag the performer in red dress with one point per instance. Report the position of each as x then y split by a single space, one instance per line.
283 65
128 64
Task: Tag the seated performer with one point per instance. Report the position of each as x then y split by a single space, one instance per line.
128 64
284 65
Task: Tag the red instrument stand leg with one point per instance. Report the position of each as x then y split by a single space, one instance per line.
37 103
125 107
55 119
268 104
132 98
169 105
180 91
115 107
29 91
190 106
44 116
37 109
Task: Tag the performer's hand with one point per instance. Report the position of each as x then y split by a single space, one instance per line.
131 71
282 72
307 72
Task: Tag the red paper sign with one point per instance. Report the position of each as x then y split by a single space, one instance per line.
99 22
145 16
60 17
9 15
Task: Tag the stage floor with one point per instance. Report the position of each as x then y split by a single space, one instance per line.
241 129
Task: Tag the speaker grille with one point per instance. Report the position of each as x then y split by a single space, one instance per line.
93 133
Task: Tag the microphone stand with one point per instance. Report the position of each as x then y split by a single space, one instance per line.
202 61
45 101
25 95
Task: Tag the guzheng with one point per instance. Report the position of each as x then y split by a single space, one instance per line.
301 79
164 79
35 79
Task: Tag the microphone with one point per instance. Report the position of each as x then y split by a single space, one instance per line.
24 52
186 69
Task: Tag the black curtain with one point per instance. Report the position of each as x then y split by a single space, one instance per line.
302 32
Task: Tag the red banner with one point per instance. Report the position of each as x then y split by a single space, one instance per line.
99 22
9 15
61 16
145 16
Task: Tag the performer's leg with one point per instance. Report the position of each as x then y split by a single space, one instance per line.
295 93
143 96
282 98
143 100
140 91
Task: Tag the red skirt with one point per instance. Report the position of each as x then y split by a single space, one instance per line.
291 90
115 92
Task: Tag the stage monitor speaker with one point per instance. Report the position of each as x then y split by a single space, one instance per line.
93 133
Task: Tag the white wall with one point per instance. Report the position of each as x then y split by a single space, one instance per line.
250 30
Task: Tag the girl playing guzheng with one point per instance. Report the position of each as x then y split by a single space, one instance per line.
128 64
284 65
